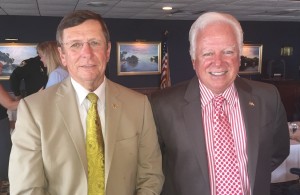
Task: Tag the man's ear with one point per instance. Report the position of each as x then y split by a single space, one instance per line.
108 51
193 62
62 56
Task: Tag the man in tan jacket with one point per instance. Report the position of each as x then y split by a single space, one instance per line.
49 150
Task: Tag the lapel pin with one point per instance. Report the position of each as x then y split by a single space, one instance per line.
251 104
115 106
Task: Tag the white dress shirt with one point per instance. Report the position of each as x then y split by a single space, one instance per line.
84 103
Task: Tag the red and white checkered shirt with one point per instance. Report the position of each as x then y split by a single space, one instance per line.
233 111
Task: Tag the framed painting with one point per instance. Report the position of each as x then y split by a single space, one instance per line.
138 58
251 59
12 54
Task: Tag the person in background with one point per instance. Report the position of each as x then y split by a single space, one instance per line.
295 135
34 74
50 57
219 133
6 102
50 153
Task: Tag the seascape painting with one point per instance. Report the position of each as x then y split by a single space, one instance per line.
138 58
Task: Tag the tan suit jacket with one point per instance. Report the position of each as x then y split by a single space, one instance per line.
49 157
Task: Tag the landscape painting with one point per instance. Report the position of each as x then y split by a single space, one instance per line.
251 59
139 58
12 54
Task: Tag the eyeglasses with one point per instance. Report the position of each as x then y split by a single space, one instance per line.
77 46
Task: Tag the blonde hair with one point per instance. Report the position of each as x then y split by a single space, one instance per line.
49 50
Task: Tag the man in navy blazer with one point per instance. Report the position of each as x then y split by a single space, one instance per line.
183 113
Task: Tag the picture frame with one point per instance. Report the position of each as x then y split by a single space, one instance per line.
251 59
12 54
138 58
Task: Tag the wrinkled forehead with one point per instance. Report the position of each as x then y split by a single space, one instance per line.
87 30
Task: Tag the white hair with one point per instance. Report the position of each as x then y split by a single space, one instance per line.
209 18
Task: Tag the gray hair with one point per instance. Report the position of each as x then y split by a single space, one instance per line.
78 17
209 18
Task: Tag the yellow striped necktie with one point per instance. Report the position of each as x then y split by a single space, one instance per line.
94 149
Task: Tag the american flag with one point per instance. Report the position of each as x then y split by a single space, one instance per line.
165 69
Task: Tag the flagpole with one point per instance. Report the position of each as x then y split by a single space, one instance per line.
165 69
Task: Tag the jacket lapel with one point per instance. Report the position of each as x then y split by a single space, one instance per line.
113 108
67 103
67 106
192 113
193 120
250 105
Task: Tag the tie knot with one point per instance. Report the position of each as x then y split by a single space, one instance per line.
92 97
218 100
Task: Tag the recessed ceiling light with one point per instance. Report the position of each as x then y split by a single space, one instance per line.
96 4
11 39
167 8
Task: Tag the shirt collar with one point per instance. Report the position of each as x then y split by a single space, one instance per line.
207 95
82 92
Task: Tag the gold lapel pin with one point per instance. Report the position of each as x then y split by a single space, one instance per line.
115 106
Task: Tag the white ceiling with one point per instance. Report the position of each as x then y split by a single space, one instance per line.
244 10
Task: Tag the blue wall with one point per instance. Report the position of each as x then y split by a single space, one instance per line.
272 35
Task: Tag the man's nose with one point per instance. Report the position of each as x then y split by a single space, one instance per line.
86 47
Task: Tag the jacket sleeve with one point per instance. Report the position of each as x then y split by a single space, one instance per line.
150 177
281 146
26 169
